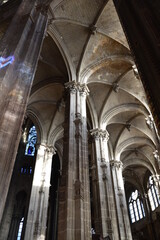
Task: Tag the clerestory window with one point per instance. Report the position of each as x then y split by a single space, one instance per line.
153 194
136 208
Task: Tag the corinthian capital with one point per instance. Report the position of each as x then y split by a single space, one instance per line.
77 87
100 134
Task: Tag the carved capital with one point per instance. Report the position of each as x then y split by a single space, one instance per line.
44 148
51 150
116 164
100 134
74 87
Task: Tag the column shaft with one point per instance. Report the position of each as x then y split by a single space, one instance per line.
74 202
104 206
38 207
121 206
24 43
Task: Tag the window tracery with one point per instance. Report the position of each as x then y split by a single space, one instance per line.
153 194
136 208
31 142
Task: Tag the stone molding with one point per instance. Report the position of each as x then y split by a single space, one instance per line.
74 87
100 134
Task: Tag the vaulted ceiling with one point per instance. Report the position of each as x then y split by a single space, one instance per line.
85 42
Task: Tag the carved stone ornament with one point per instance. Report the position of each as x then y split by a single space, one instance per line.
150 122
128 126
99 133
93 29
156 156
135 70
115 87
77 87
51 150
116 164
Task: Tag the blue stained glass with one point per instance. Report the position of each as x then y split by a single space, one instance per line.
31 142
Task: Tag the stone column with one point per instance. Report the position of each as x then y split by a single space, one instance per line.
103 202
74 201
121 206
22 40
38 207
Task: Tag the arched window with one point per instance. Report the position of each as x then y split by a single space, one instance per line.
31 141
153 194
136 208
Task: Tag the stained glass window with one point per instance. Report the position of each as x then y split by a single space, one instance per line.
136 208
31 141
27 170
153 194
